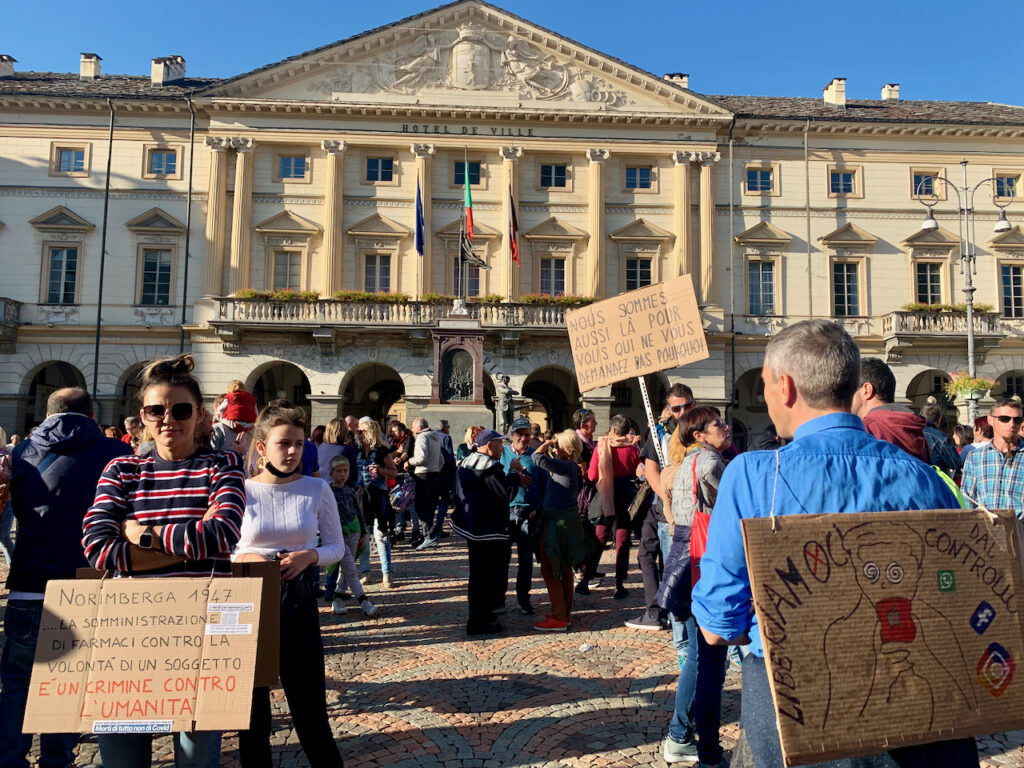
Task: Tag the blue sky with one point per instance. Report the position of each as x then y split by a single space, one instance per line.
751 47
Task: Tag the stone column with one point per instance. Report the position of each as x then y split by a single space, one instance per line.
706 293
510 167
241 213
595 285
682 260
216 216
334 207
423 154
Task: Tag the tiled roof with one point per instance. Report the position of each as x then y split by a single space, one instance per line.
70 85
789 108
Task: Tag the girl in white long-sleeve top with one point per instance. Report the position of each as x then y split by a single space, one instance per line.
284 512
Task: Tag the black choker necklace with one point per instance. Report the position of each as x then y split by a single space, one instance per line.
278 473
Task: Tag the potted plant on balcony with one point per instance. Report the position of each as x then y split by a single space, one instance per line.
557 300
283 294
962 385
955 309
367 297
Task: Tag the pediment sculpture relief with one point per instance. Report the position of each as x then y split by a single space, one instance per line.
473 59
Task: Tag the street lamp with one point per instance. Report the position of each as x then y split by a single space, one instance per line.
966 222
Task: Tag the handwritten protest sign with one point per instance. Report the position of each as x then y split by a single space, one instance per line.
888 629
145 656
647 330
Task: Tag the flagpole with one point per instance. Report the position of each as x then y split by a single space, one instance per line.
462 288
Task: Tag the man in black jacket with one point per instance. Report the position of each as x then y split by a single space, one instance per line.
483 491
53 482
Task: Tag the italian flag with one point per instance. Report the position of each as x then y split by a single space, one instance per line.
469 206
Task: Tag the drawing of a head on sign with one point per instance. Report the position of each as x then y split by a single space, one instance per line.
887 652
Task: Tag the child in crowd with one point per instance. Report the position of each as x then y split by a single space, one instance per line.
235 416
353 529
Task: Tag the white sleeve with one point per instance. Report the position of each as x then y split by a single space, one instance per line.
332 543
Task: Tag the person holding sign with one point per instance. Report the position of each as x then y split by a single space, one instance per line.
175 512
284 512
811 372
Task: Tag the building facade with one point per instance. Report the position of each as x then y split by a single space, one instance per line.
249 220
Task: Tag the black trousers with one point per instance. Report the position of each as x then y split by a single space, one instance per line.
428 488
302 677
650 559
488 574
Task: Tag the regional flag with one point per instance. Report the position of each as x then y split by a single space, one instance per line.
420 240
513 224
469 204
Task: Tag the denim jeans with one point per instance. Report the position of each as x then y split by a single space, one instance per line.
21 627
192 749
382 540
520 540
699 692
344 571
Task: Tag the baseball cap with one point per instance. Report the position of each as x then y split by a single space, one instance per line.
488 435
518 424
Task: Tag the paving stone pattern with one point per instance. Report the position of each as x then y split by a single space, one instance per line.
410 690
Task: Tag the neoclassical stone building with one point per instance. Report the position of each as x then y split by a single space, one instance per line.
303 176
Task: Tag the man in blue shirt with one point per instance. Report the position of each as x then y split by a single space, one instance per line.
522 508
810 374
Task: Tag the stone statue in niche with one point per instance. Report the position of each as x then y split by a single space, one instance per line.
506 407
457 376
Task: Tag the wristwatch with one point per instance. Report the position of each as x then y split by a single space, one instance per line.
148 539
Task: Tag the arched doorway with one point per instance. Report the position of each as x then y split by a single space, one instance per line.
373 390
556 391
627 399
928 384
490 392
130 400
749 414
1009 384
43 382
280 380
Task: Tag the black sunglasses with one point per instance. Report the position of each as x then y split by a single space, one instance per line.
179 412
1007 419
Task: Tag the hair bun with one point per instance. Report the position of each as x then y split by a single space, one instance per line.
171 370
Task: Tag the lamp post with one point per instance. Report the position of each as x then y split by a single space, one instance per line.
966 221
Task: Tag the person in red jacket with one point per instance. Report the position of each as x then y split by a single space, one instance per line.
235 417
886 420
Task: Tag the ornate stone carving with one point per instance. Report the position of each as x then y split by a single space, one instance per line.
332 147
243 145
154 315
57 314
217 143
457 376
423 150
598 155
510 153
681 157
705 158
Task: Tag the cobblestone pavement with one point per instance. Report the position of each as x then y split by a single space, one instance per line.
409 690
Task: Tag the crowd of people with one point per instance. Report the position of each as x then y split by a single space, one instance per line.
185 491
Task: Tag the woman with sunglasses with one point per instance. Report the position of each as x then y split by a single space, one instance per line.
702 438
175 512
374 465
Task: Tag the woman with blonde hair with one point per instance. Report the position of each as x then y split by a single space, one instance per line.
373 466
563 542
336 443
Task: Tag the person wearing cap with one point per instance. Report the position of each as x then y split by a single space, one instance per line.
523 509
444 500
483 490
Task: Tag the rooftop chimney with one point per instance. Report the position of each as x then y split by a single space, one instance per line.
89 69
678 78
6 65
167 69
891 92
835 92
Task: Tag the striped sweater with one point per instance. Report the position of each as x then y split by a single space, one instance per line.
175 495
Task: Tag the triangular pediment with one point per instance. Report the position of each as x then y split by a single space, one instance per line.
849 235
481 231
467 52
764 233
641 229
286 223
61 219
554 229
378 226
1012 238
936 237
156 221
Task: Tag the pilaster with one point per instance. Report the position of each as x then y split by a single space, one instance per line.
682 254
239 273
595 222
216 216
510 167
334 197
707 295
424 153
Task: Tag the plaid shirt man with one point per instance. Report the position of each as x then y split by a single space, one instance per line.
995 479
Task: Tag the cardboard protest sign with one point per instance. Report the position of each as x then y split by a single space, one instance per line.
647 330
888 629
145 656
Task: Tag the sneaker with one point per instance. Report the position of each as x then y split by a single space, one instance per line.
415 539
427 543
369 609
679 752
338 607
525 608
366 578
550 625
582 588
400 536
621 593
644 622
388 582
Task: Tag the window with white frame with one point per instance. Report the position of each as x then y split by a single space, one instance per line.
845 289
1007 185
639 177
461 170
162 162
638 272
471 277
1011 278
155 286
291 167
760 180
553 175
380 169
761 287
62 275
70 161
287 270
928 282
377 275
923 184
552 276
842 182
